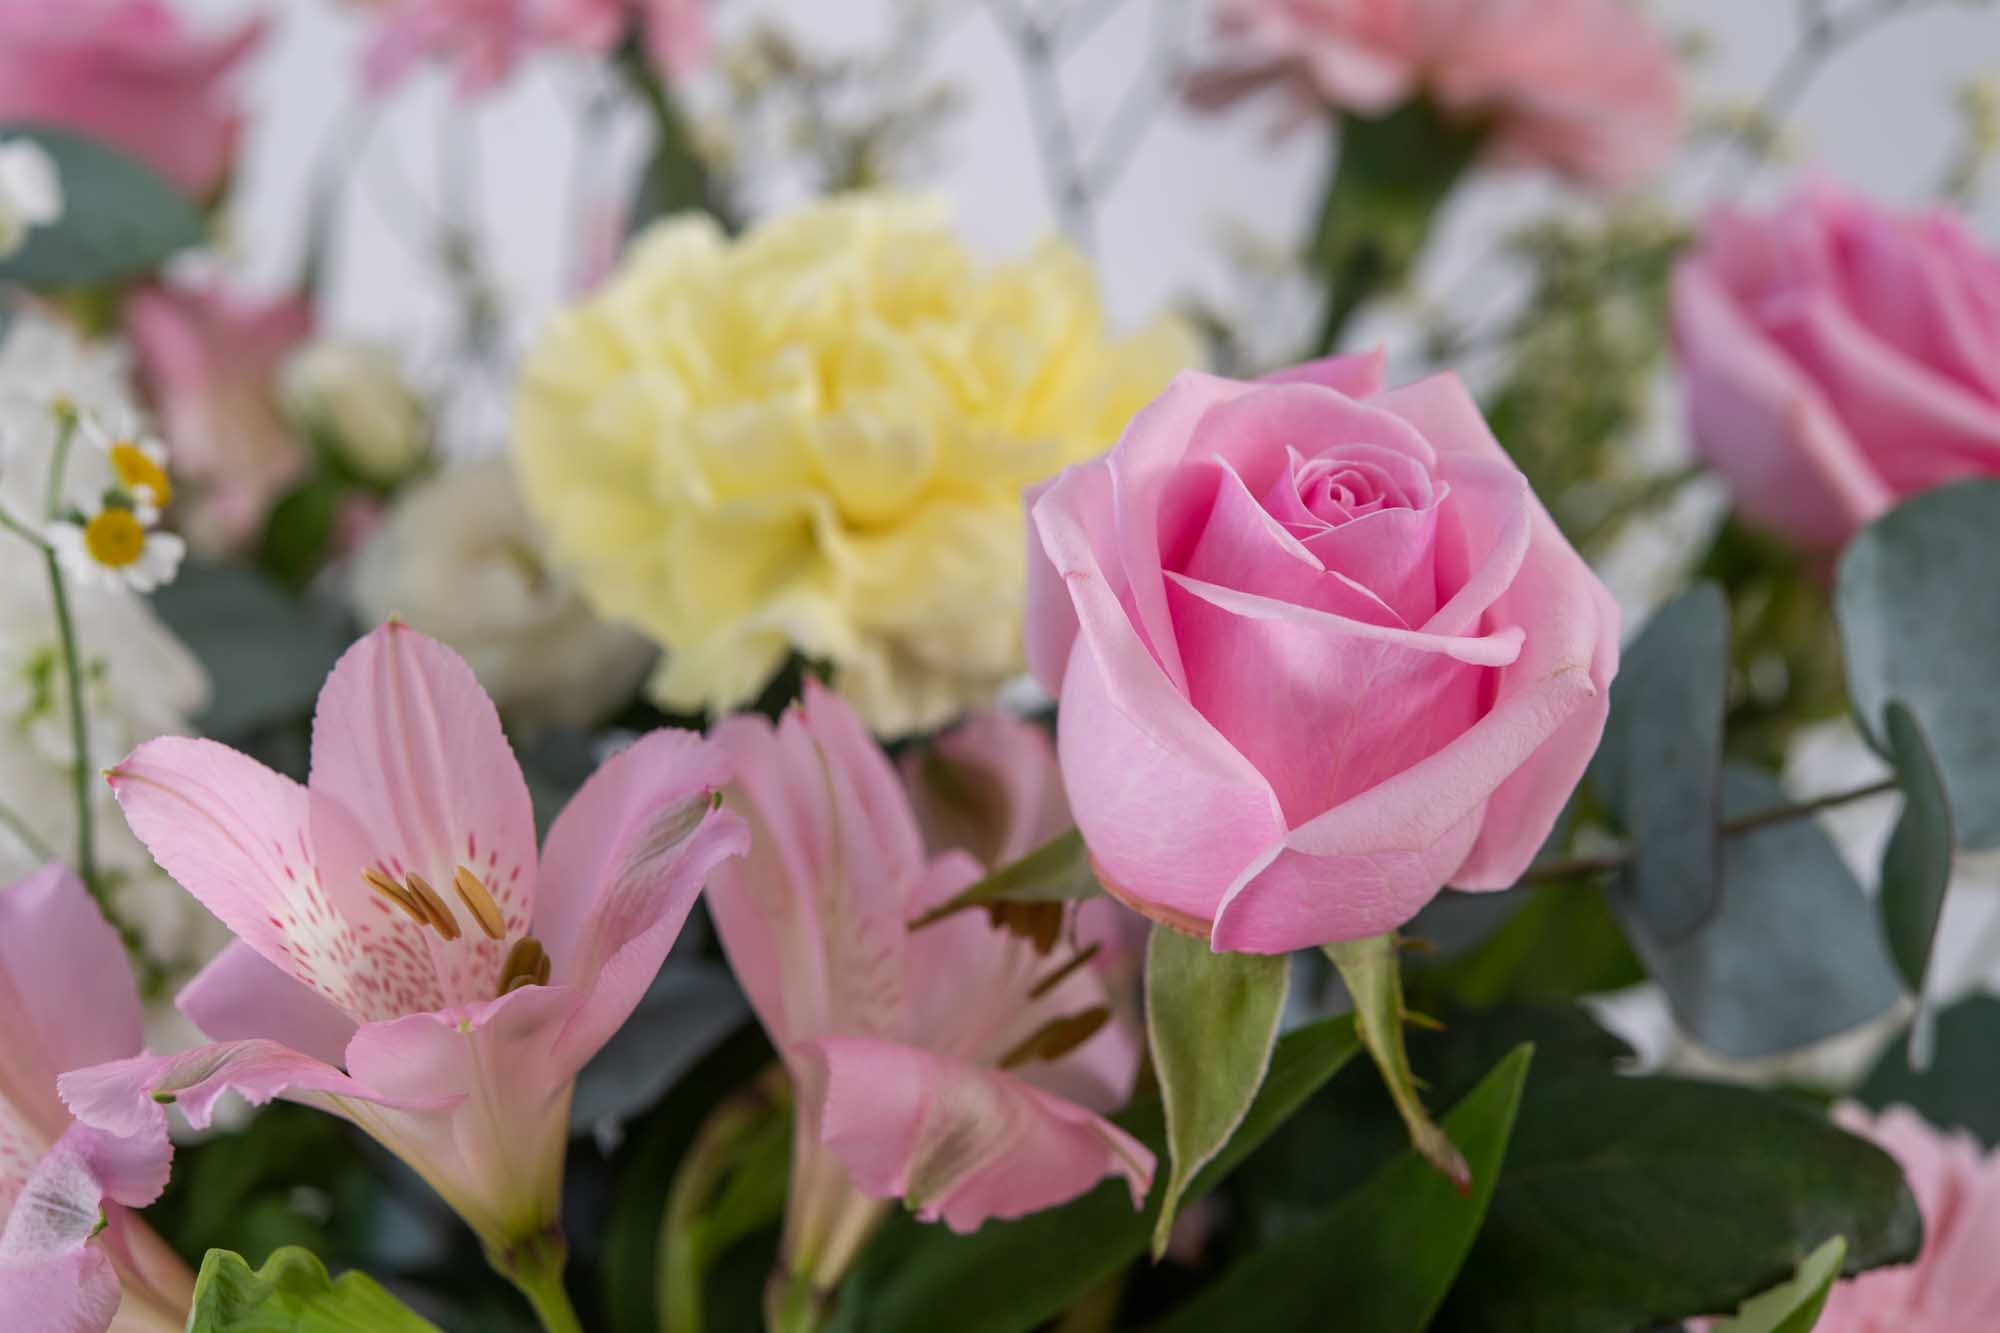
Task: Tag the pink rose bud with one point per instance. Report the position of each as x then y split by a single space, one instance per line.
1320 652
1839 357
127 72
1587 88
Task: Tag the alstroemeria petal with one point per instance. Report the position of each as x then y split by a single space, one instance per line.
960 1143
235 835
67 988
75 1291
129 1097
406 742
241 995
630 854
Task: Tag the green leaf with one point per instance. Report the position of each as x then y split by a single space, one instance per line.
1916 867
1659 767
1010 1277
292 1293
1794 1306
1919 616
1628 1203
1793 952
1368 968
1211 1023
1957 1087
120 218
266 652
1385 1254
1057 871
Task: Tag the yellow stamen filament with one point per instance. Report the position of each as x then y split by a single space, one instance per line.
440 915
396 894
472 892
136 471
114 538
527 965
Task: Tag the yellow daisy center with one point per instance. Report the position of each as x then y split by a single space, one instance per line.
137 471
114 538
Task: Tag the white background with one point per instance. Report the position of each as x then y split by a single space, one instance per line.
1880 117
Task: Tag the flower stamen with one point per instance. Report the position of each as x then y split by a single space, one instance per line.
434 906
472 892
527 965
396 894
1057 1037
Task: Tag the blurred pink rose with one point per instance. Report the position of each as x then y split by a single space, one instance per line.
1954 1286
211 360
484 39
1587 87
1839 357
1320 652
130 73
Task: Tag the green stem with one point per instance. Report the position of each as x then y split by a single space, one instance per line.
676 177
79 722
684 1239
1392 175
536 1269
1603 863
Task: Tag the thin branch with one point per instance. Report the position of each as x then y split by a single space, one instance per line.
1604 863
1062 164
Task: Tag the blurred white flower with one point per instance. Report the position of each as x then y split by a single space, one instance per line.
459 558
140 681
352 398
30 192
48 373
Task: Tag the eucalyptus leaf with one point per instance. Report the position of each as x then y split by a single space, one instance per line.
1383 1255
266 652
1794 1306
1793 952
1659 767
1916 866
1956 1090
120 218
292 1293
1628 1203
1919 615
1211 1023
1012 1277
1057 871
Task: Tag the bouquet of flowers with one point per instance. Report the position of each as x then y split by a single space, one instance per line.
812 777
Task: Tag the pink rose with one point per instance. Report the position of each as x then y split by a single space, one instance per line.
1586 87
127 72
1320 652
485 39
1839 357
211 361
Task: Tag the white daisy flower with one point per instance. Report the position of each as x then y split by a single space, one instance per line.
113 547
30 192
138 461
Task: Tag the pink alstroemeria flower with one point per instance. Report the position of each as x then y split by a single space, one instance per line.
402 959
210 358
73 1259
952 1066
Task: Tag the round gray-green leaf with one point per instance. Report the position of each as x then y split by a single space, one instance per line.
120 218
1919 613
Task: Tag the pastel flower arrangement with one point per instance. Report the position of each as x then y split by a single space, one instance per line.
835 782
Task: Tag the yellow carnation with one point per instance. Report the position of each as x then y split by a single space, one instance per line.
815 438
